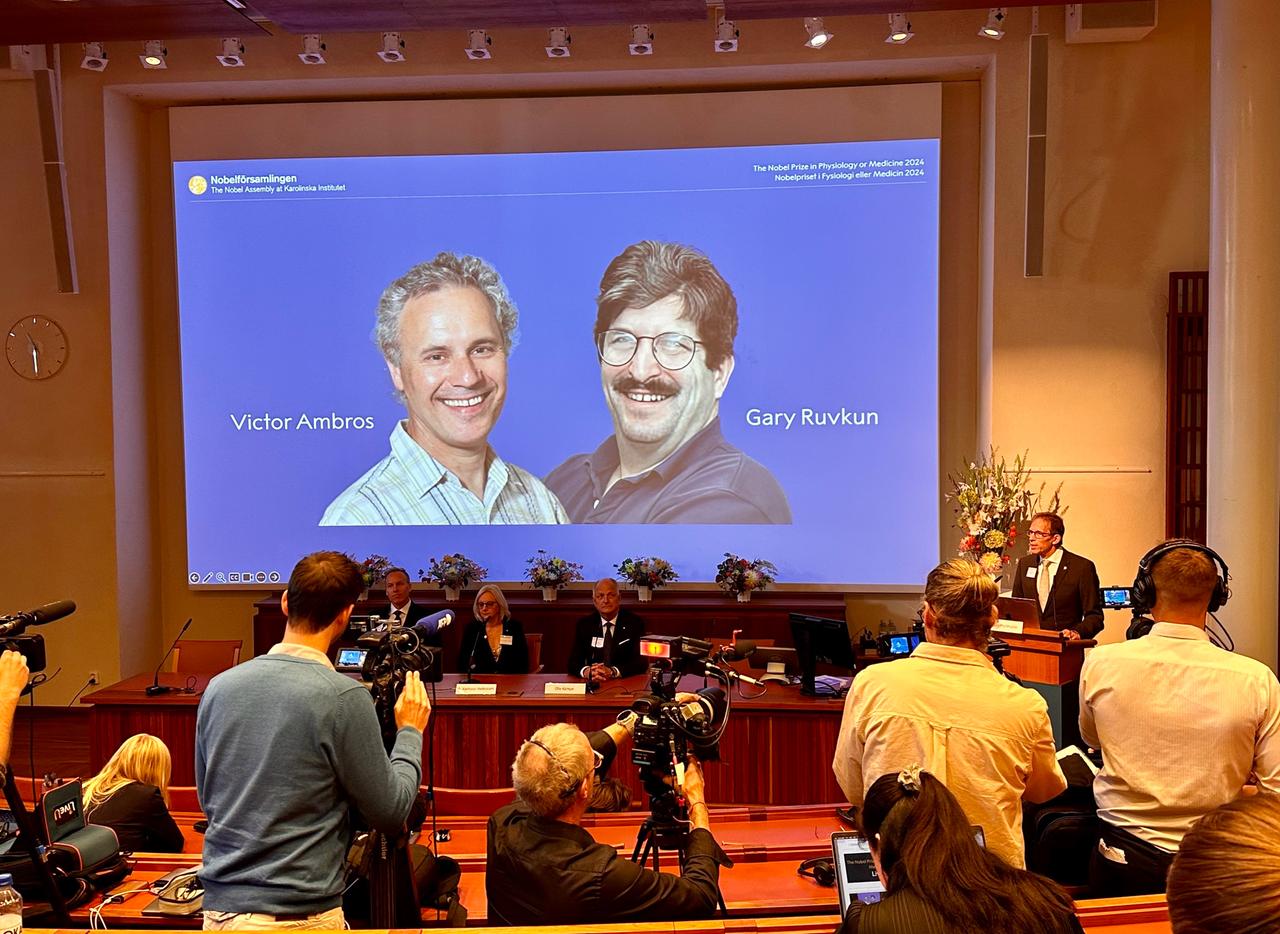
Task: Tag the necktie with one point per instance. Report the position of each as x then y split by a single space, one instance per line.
397 617
1043 580
607 651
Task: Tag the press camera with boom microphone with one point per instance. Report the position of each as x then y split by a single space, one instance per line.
14 626
390 654
668 731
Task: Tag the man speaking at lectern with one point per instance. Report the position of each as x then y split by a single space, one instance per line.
1065 585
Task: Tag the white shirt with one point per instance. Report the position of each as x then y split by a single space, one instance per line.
1181 723
948 710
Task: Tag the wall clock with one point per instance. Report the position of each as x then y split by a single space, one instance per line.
36 347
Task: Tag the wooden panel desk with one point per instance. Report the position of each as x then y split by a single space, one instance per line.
777 749
123 709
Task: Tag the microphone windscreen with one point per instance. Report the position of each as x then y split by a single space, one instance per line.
435 622
51 611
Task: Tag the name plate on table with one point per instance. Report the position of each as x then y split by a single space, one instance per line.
1008 625
475 690
565 689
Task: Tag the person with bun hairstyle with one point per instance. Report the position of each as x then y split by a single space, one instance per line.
987 739
131 796
937 879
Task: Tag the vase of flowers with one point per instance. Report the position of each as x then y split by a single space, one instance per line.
373 569
646 575
551 573
453 573
993 497
740 576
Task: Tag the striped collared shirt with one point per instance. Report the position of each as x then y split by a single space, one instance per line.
410 487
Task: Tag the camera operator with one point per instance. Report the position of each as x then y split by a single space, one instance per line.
13 678
544 868
284 746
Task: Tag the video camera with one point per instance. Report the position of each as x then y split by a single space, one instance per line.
390 654
13 628
668 731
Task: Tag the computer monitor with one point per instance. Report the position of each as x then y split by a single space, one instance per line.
820 640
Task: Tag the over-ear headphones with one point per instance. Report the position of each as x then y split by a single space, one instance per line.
819 870
1144 585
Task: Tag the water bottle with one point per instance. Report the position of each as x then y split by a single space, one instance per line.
10 906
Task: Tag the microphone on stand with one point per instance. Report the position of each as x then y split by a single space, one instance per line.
471 659
592 685
156 687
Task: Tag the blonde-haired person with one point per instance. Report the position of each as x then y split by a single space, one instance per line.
131 796
946 707
493 643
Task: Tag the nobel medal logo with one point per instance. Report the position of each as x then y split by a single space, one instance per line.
197 184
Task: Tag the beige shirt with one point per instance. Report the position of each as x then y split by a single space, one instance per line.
948 709
1181 723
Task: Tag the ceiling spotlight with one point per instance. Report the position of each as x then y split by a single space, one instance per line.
726 37
312 49
232 54
153 54
899 29
95 57
478 43
558 40
641 40
994 28
392 48
818 35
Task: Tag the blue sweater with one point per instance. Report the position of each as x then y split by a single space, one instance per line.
284 746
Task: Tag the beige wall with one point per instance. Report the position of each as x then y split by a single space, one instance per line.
90 474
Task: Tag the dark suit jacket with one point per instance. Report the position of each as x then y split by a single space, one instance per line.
544 871
414 613
628 630
137 813
1073 602
512 660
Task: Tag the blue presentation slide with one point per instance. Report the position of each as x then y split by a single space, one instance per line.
642 425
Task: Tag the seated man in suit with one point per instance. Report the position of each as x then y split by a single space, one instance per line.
606 644
1065 584
543 867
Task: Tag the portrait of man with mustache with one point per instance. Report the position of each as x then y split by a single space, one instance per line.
665 326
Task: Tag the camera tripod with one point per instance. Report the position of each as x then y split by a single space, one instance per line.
668 832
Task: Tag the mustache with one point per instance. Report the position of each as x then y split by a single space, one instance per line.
659 385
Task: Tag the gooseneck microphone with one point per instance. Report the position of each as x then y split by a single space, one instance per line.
156 687
12 625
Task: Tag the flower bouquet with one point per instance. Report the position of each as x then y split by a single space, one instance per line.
647 574
453 573
737 575
993 497
373 569
551 573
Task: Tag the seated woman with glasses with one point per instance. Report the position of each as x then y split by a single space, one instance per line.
938 879
131 796
494 643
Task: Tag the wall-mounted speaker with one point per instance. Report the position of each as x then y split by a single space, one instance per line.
1037 149
1110 22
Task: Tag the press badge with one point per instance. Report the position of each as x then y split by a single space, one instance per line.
597 642
1031 571
504 640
